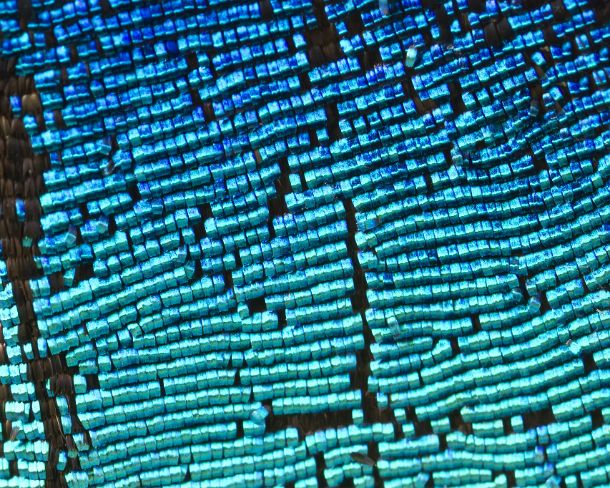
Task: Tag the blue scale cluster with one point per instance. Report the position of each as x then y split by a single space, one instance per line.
313 243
